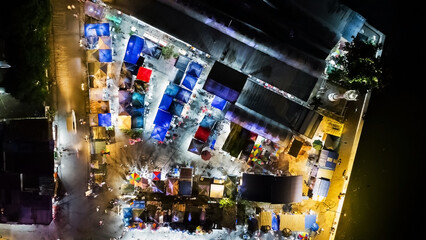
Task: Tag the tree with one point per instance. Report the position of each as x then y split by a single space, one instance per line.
132 133
359 68
226 202
168 52
27 49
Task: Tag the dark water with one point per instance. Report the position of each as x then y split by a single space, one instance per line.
384 194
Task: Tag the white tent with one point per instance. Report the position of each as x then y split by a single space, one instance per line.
216 190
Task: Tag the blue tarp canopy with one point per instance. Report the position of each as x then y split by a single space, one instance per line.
310 219
92 42
178 77
96 29
133 50
149 48
189 81
159 133
138 204
196 146
275 222
176 108
194 69
163 119
128 213
185 188
207 122
165 103
133 68
183 95
172 90
127 222
328 159
138 100
182 62
137 122
219 103
104 119
137 111
105 55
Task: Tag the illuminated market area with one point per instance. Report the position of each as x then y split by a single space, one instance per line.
210 132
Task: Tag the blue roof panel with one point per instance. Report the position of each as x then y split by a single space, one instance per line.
163 119
133 50
195 69
96 29
104 119
159 133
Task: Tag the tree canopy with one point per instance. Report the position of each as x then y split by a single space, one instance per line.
27 49
359 68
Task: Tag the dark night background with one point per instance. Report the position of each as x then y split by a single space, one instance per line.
383 200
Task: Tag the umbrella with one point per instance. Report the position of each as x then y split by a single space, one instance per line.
315 226
287 232
206 155
156 176
317 144
134 178
303 236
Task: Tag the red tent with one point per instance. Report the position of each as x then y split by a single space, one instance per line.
202 134
144 74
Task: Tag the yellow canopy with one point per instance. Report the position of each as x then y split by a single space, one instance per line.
295 222
124 122
92 55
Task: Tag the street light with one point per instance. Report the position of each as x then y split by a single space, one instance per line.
350 95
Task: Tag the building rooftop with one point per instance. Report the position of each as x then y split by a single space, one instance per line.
26 167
